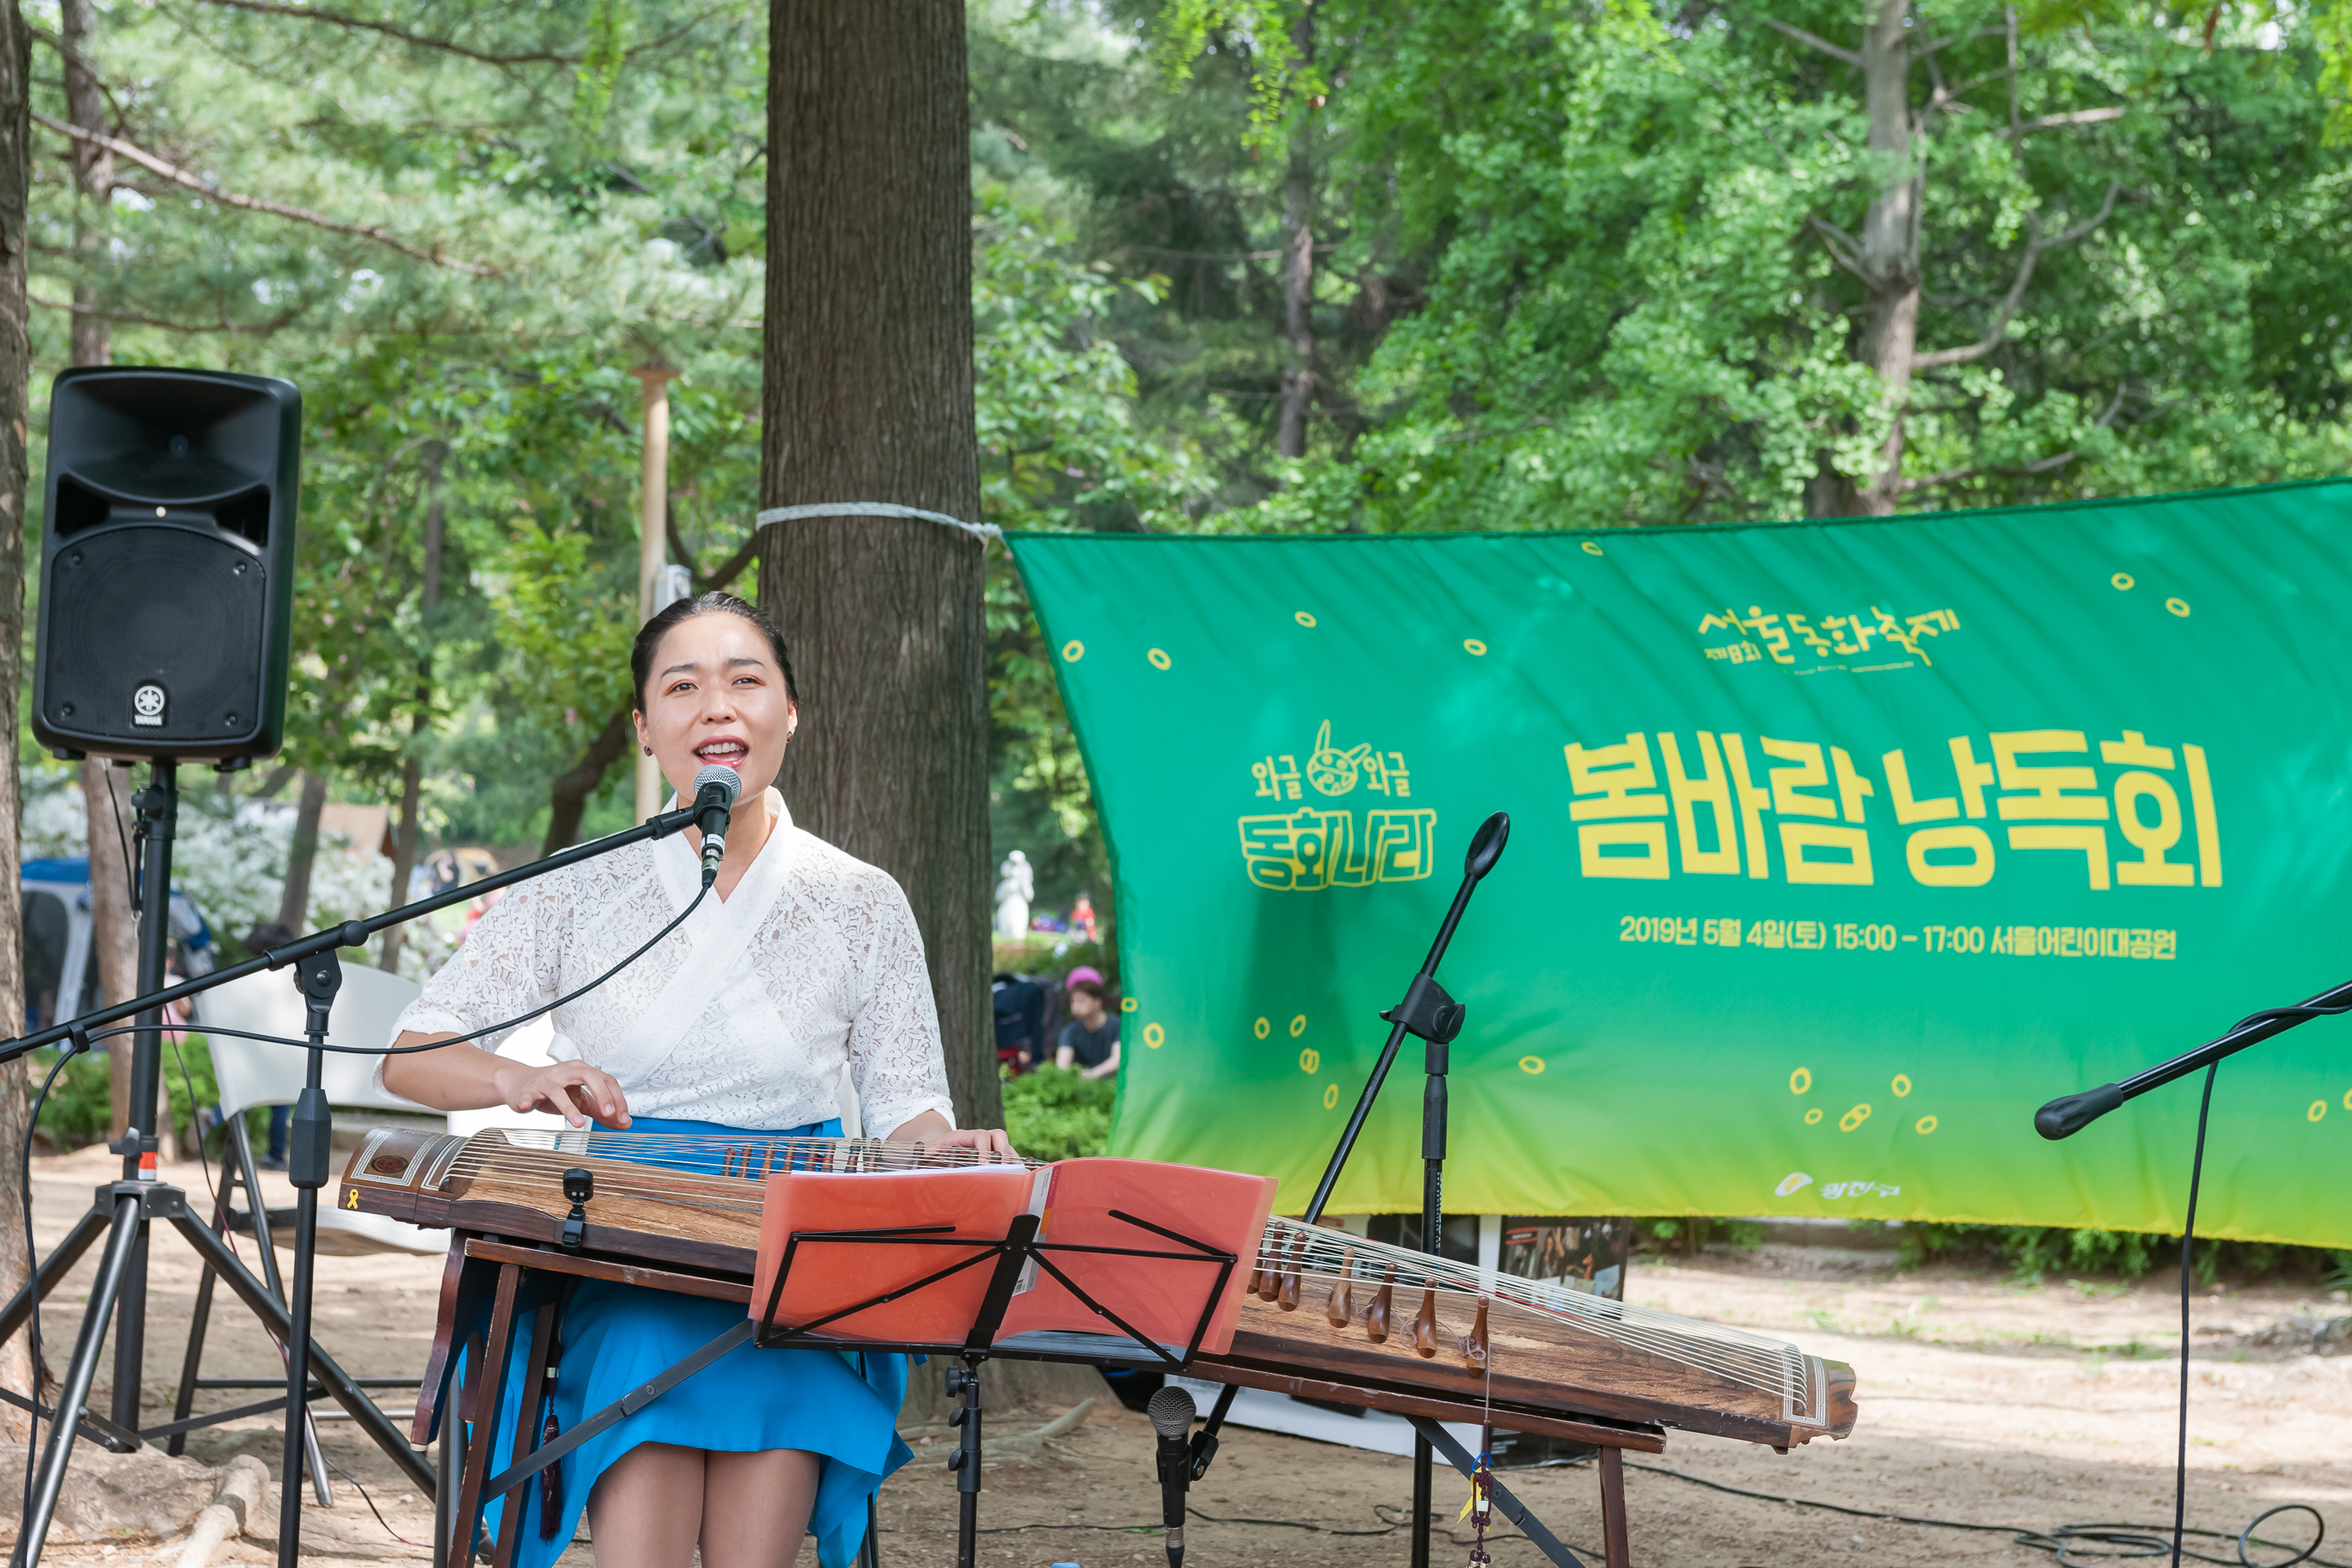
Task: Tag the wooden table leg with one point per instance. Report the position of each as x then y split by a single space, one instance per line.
1620 1551
487 1392
524 1440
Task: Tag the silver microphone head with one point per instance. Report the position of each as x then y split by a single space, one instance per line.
1171 1411
725 777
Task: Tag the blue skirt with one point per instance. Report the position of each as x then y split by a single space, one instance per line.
842 1408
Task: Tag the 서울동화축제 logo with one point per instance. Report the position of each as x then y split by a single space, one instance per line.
1852 641
1312 848
147 705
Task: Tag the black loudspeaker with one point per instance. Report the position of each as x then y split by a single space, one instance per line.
167 564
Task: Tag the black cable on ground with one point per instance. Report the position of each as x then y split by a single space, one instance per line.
369 1500
2147 1540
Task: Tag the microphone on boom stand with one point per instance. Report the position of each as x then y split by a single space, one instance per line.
1171 1411
715 789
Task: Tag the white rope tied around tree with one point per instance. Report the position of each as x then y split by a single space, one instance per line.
983 532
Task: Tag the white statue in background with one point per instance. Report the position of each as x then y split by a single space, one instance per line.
1014 888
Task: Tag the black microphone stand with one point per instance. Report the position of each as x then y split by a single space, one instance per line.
126 1208
1427 1012
2069 1114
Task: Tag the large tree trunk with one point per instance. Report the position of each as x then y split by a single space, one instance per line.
294 904
1298 270
867 396
93 168
1890 242
412 770
567 797
15 369
106 790
114 934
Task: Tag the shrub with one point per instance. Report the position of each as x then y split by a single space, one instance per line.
1055 1114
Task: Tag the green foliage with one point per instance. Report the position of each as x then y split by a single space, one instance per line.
1051 1114
2034 1253
76 1112
1690 1235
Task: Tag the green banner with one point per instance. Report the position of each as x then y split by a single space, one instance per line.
1836 849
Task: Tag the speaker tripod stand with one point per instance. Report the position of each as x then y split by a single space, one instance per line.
124 1210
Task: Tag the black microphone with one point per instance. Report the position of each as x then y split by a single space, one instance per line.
1171 1411
715 789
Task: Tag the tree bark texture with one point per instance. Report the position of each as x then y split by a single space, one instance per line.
412 769
93 169
567 797
294 904
1298 377
16 370
107 787
867 396
1890 241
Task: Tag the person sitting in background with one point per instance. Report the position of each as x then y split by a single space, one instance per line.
1019 1021
1090 1039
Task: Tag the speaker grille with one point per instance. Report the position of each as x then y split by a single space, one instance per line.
160 608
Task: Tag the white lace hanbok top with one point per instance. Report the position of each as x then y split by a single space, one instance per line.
745 1013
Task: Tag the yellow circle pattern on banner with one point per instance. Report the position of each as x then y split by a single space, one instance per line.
1073 651
1474 647
1801 1080
1310 1059
1262 1028
1331 1096
1298 1026
2318 1109
1591 548
2123 582
1853 1118
1303 618
2348 1100
2177 606
1531 1065
1154 1035
1902 1084
1128 1003
1160 660
1812 1116
1926 1124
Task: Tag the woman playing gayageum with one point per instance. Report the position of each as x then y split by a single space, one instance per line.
739 1021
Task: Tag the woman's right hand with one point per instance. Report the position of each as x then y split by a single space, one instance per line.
573 1090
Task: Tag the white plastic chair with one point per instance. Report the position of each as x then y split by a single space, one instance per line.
252 1074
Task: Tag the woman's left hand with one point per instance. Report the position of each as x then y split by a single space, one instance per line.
987 1140
932 1130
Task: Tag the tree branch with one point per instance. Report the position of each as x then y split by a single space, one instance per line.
1925 50
1842 247
2007 310
727 571
180 176
2080 116
1813 41
420 40
2022 470
73 58
224 325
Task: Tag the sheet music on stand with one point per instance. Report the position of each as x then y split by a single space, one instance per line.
1002 1261
1087 1259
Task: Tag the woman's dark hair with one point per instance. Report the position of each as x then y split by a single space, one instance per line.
649 636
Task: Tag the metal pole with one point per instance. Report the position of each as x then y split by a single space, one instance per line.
653 538
159 813
1432 1242
78 1373
320 977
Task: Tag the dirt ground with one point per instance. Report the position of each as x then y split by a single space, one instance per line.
1983 1401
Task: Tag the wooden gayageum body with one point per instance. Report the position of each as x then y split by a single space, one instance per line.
1324 1315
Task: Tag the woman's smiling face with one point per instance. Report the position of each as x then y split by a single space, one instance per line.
716 695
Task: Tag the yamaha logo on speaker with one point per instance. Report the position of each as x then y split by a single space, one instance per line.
147 705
